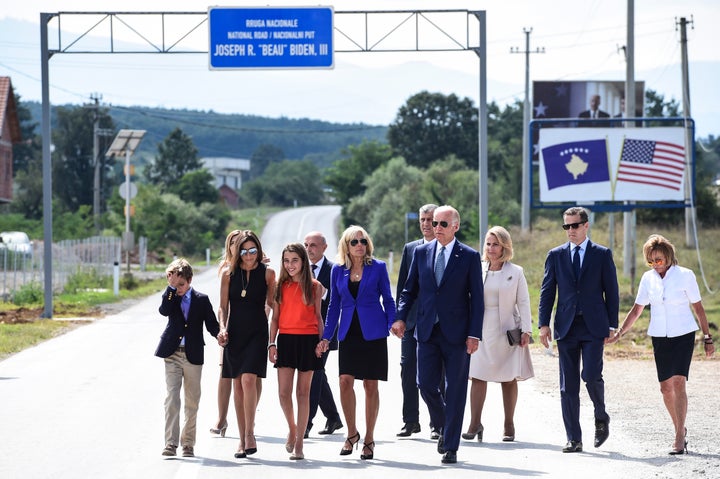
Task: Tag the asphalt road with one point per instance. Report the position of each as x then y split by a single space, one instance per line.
90 404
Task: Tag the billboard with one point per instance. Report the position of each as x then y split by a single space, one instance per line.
612 164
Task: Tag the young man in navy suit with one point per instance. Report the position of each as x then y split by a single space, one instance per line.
320 393
408 348
445 279
583 275
182 346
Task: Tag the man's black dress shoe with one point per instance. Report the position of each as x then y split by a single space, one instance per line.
307 434
573 446
450 457
331 427
441 446
602 431
408 429
435 434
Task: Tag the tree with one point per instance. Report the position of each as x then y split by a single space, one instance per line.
345 175
174 225
262 157
73 162
285 184
390 192
27 166
197 187
176 156
431 126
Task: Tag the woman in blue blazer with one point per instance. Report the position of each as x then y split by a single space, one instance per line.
358 282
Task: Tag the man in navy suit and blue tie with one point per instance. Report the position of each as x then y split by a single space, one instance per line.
445 280
583 276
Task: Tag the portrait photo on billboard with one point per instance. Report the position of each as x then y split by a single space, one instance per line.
591 102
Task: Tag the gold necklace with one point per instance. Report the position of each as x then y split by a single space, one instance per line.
244 284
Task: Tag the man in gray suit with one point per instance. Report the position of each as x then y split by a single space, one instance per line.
408 347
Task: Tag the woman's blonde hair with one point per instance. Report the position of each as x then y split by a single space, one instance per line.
231 248
503 237
660 244
343 254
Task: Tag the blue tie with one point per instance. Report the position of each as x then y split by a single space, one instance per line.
440 265
576 262
185 305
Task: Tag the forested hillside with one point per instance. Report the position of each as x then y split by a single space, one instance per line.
238 136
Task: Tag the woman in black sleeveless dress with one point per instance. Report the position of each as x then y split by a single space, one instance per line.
244 291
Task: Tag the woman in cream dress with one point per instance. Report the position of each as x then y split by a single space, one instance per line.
507 307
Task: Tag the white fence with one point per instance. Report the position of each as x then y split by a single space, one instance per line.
70 257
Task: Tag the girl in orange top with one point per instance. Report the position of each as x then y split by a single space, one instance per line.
296 316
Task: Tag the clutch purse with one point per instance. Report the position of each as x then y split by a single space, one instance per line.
514 336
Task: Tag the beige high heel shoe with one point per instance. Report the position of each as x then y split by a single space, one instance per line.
220 430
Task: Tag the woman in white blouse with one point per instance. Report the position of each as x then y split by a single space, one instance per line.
673 294
507 307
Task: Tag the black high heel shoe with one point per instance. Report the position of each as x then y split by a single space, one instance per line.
471 435
349 440
683 450
371 447
251 450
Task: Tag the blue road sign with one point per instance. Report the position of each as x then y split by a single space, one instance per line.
271 37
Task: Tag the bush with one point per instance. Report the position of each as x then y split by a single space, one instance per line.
28 293
87 281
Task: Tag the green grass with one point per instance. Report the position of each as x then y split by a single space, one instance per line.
82 300
16 337
531 249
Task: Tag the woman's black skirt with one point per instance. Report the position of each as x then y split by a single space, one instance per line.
673 355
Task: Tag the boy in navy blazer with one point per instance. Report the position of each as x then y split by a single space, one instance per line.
181 345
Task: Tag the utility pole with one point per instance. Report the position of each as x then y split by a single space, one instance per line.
97 159
525 197
690 210
629 217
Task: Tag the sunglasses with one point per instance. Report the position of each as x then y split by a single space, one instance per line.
657 261
362 241
573 225
243 252
444 224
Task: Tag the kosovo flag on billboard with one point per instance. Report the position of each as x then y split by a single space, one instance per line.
575 163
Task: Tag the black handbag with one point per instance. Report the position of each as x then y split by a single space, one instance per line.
514 336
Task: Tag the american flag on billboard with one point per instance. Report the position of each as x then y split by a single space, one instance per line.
649 162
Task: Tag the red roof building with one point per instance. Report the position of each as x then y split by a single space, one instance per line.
9 135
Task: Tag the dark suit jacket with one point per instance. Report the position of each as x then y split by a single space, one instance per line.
324 277
375 318
457 301
407 256
600 114
595 293
201 311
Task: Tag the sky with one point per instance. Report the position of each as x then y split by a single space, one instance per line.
582 40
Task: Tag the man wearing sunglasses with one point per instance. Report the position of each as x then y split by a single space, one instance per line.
582 275
445 279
